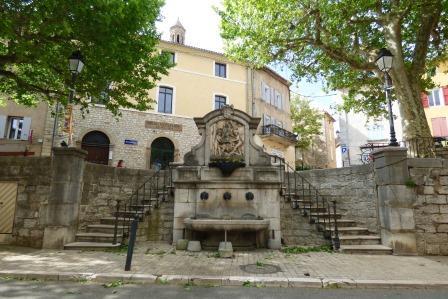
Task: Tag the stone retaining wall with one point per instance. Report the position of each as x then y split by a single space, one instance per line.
33 177
353 188
430 177
296 230
102 186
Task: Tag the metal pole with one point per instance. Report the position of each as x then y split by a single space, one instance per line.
70 100
55 127
387 88
131 244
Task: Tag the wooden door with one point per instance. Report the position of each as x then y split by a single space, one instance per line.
8 196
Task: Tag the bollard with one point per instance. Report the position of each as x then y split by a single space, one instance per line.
131 244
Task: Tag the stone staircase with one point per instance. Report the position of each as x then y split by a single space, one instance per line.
353 238
100 236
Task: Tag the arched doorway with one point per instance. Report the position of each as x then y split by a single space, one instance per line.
97 144
162 153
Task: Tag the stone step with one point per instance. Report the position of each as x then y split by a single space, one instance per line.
105 228
96 237
129 213
111 220
360 240
140 207
343 231
313 209
90 246
325 215
365 249
341 222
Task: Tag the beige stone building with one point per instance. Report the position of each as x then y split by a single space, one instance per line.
200 81
322 152
22 129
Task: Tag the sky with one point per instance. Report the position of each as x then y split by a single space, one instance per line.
202 30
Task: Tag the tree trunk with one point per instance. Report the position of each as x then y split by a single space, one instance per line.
413 115
406 86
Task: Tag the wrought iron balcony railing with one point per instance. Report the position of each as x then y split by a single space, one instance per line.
418 147
276 130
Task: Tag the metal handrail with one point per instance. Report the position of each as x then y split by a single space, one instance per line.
138 195
317 202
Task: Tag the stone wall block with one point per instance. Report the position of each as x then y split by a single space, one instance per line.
443 180
442 189
436 199
425 162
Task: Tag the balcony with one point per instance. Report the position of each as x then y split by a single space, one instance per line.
276 134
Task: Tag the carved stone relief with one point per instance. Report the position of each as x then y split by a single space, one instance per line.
227 140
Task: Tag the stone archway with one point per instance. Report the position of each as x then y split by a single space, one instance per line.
162 153
97 145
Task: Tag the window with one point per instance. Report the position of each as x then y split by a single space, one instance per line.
171 56
15 127
278 100
265 92
220 101
165 102
434 98
220 70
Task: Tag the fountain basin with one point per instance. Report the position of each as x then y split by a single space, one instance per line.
227 225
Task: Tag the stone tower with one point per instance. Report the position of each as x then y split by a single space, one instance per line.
177 33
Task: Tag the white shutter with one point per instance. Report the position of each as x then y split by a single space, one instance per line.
26 126
272 94
2 126
267 120
262 90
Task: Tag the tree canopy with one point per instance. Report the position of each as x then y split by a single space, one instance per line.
339 41
117 38
306 121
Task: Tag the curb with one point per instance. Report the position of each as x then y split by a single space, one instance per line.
198 280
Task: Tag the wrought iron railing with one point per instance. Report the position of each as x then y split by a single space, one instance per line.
426 147
368 148
302 195
418 147
278 131
156 189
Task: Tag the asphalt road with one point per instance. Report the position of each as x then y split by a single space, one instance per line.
69 290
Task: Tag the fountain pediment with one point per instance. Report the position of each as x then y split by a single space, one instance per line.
227 136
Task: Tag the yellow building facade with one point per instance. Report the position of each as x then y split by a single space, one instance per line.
435 103
199 82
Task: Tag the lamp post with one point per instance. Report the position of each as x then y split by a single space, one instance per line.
384 63
75 64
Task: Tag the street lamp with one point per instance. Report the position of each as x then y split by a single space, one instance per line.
384 63
75 65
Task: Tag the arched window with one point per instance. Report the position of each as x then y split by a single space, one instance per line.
178 39
97 144
162 153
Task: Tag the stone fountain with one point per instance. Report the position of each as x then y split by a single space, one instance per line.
227 190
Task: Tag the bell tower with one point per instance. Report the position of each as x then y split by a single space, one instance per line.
177 33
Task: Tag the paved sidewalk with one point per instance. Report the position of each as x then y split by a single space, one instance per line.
160 263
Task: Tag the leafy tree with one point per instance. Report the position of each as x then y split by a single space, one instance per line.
339 40
117 38
306 121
